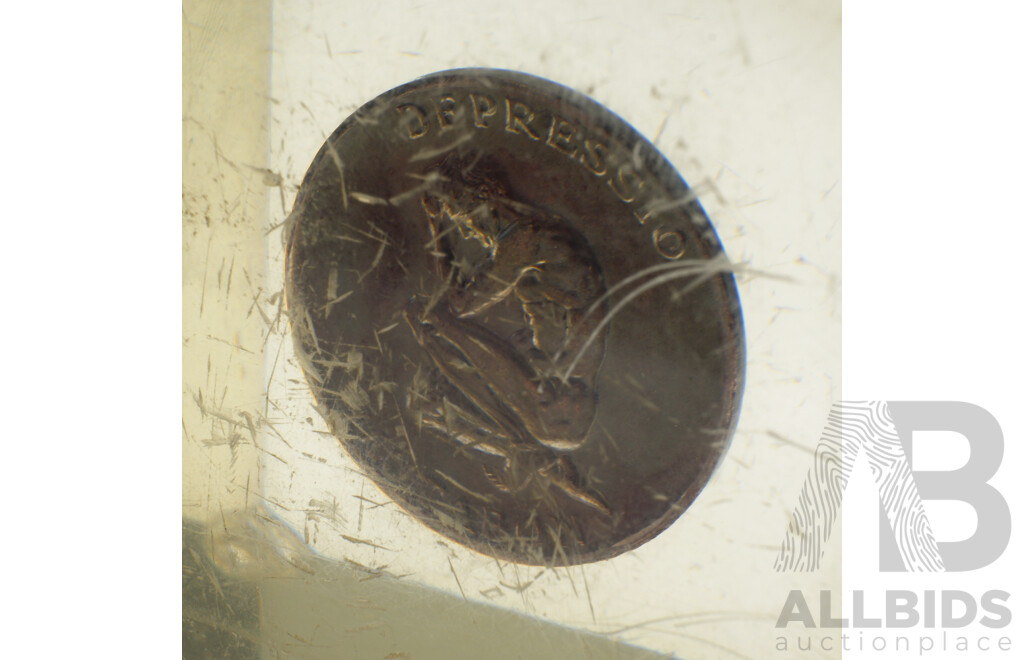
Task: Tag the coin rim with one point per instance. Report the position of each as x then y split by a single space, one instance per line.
731 309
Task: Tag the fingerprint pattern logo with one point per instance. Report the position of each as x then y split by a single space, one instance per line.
852 428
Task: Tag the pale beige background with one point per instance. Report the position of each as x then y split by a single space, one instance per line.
743 97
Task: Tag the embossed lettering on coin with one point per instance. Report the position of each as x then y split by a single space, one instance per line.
515 316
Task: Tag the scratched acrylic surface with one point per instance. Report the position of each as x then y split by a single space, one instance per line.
742 98
533 345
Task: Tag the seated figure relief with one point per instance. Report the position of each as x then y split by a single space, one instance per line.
506 394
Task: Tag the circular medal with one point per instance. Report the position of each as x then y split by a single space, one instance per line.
515 316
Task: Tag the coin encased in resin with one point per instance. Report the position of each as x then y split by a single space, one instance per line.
515 316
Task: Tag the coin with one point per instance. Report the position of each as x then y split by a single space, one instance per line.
515 316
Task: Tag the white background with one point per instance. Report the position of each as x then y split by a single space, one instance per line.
932 215
932 169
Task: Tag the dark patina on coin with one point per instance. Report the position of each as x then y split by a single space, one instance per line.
515 316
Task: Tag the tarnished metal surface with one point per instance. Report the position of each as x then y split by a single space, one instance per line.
515 316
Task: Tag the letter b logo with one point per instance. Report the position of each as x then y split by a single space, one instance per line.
883 432
967 484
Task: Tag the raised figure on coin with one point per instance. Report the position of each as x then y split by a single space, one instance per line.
515 316
516 402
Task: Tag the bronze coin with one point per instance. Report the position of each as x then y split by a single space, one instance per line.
515 316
